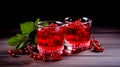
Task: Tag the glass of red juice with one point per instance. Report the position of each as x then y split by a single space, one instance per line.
50 42
78 34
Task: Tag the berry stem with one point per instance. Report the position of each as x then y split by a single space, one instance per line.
93 37
30 50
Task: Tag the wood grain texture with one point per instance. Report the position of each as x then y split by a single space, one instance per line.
109 38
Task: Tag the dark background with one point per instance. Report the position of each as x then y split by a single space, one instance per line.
103 14
11 22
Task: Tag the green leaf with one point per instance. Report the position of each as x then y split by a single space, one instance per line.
38 20
20 37
21 45
13 41
45 23
27 27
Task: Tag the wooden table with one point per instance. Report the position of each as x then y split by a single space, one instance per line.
109 37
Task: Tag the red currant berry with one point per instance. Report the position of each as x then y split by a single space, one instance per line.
13 55
90 46
96 49
25 48
10 52
31 47
31 55
27 51
20 51
101 49
39 57
35 53
96 40
44 58
99 45
35 57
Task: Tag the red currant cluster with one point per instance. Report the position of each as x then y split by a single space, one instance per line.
26 50
33 53
46 57
12 53
94 45
97 47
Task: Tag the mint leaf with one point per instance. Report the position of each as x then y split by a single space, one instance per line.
21 45
38 20
20 37
44 23
27 27
13 41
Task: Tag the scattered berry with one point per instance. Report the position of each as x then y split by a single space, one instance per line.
10 52
31 55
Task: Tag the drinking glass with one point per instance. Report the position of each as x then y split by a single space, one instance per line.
50 41
78 34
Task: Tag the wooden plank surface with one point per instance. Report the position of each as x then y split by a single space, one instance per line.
110 39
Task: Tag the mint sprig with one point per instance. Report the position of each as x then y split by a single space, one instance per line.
28 34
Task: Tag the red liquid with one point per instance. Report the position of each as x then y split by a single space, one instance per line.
78 35
50 40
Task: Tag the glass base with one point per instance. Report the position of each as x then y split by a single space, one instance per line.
77 45
51 53
50 50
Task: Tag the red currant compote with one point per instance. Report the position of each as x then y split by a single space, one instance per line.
78 34
50 41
